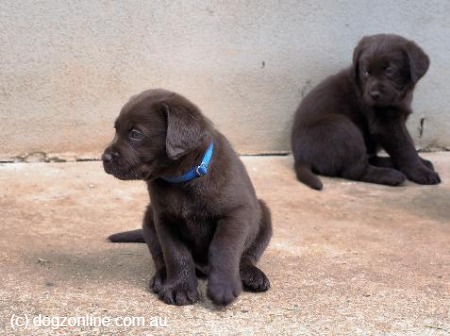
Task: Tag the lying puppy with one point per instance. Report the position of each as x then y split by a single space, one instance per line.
342 123
204 215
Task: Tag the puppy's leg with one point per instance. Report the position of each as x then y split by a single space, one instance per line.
151 238
361 170
253 279
176 283
395 139
387 162
225 251
382 162
335 147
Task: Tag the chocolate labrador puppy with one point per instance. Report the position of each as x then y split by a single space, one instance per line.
343 122
204 216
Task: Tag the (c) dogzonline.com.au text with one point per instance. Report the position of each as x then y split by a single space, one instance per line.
25 321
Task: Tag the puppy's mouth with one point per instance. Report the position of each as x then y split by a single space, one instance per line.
375 103
120 172
126 173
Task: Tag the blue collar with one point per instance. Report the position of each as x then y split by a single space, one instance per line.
195 172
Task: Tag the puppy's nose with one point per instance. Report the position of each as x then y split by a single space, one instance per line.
375 94
107 157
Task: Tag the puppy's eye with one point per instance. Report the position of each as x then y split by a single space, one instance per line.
136 135
365 72
389 71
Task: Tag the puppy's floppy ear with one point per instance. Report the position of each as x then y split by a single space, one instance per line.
418 61
186 128
356 55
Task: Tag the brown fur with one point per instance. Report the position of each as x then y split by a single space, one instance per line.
343 122
213 225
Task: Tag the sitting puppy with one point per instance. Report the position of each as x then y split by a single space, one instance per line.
204 215
342 123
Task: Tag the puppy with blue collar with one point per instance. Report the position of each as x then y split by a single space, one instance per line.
204 218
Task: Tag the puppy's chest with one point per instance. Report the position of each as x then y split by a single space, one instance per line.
194 216
190 205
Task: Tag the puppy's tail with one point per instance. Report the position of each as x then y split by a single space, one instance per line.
305 175
134 236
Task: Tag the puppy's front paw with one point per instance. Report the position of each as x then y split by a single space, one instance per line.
253 279
423 175
179 294
223 291
157 281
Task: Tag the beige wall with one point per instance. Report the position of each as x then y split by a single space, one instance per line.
68 66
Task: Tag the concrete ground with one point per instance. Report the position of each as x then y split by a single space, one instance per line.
353 259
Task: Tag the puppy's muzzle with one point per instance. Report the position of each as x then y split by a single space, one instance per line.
117 165
109 159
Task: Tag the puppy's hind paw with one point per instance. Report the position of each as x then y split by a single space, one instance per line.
393 177
253 279
427 164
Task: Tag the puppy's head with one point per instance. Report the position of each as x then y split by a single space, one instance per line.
154 130
386 68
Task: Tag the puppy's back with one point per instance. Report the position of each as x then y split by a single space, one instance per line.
335 94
